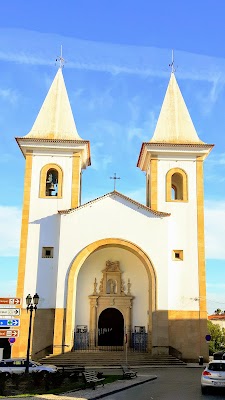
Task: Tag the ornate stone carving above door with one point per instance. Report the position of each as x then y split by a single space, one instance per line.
111 291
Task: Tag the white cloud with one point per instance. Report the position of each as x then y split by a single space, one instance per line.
99 159
215 300
139 195
208 99
216 285
216 159
8 288
9 95
34 48
6 157
10 218
215 229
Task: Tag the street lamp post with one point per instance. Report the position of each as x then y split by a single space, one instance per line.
31 306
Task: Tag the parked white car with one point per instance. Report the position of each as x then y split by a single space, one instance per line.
18 365
213 375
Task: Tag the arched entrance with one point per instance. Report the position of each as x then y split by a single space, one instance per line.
64 332
110 328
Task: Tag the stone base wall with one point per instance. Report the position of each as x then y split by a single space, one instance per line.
42 333
187 334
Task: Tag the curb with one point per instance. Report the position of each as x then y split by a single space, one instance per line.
100 396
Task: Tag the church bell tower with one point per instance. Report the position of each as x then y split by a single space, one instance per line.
173 163
55 155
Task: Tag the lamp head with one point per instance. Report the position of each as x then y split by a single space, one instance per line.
36 299
28 299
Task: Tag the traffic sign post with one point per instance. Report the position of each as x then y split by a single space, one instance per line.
9 333
9 322
11 300
9 311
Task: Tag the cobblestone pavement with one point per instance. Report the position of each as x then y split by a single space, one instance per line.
99 392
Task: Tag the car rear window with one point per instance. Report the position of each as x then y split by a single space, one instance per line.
217 367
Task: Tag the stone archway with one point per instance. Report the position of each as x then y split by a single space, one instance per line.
110 328
64 333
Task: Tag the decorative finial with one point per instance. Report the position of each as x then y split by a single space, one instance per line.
95 286
60 60
115 178
172 63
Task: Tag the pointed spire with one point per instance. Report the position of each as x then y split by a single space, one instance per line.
174 124
55 119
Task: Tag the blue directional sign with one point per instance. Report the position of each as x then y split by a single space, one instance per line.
9 322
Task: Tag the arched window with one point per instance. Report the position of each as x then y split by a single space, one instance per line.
176 185
51 181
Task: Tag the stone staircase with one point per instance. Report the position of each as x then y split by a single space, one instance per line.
111 359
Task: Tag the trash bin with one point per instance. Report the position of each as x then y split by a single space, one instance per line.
200 360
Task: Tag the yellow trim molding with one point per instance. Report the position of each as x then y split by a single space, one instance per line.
66 337
76 171
154 183
25 223
201 239
169 184
43 174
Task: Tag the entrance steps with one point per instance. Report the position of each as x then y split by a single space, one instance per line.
111 359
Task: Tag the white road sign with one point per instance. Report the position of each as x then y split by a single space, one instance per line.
8 306
9 311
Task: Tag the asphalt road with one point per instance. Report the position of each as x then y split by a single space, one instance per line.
171 384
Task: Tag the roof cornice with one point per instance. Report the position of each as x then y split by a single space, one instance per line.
26 143
198 149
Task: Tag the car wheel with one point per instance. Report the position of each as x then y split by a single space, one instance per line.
44 373
204 390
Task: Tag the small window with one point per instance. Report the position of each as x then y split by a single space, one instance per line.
47 252
178 255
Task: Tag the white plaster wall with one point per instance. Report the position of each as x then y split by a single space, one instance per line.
41 273
44 207
221 323
131 268
113 217
43 230
183 275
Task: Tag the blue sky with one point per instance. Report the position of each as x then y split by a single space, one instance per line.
116 72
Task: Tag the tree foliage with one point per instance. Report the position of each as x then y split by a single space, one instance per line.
217 337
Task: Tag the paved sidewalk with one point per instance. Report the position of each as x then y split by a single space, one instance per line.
98 393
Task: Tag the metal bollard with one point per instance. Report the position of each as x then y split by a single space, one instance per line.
200 360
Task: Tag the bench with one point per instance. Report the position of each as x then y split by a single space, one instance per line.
91 377
127 372
72 370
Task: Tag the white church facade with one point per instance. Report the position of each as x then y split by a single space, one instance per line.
113 267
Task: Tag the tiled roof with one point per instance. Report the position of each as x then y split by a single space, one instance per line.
139 205
218 317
